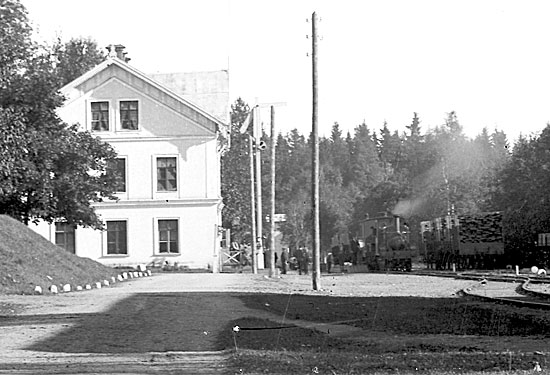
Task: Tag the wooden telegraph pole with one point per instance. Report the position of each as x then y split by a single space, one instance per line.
272 213
316 274
252 207
256 186
258 244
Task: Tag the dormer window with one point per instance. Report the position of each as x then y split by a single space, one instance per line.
100 116
129 114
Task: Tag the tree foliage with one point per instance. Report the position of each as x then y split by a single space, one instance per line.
48 169
522 191
414 174
75 57
235 173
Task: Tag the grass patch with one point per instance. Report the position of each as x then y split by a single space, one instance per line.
409 315
401 335
281 362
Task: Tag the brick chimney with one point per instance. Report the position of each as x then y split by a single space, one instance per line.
117 50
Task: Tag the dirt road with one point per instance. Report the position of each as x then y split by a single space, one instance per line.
167 323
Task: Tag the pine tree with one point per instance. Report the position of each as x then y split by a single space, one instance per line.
235 175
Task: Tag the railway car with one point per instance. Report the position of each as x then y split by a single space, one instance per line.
463 241
381 243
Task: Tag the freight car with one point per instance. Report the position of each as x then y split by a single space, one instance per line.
463 241
381 243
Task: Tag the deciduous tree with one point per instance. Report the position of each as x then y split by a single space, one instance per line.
75 57
50 171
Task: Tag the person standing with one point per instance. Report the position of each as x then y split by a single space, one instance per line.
305 260
300 260
284 260
329 262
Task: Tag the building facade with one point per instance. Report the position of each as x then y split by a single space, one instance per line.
169 203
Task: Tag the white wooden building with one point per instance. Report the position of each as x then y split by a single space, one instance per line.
169 207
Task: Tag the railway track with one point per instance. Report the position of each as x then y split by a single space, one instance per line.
518 290
507 288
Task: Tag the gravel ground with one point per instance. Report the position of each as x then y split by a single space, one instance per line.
541 288
168 312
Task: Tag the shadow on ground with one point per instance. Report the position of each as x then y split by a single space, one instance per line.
141 323
203 321
408 315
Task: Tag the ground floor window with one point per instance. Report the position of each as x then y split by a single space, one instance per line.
64 236
116 237
168 236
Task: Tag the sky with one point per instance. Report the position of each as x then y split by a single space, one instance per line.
378 61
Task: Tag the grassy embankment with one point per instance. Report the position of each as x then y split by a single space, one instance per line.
28 259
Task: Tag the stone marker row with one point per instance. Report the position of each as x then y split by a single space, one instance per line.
54 289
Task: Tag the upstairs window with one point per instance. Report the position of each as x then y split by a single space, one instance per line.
118 168
167 175
116 237
100 116
129 114
168 236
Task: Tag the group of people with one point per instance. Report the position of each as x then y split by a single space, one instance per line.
300 261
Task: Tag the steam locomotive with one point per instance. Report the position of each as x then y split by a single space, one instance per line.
382 243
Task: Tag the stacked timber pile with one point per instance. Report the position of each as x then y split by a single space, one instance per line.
481 228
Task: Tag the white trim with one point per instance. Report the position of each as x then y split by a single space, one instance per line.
156 236
89 74
158 203
153 139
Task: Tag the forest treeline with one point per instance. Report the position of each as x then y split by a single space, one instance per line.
415 173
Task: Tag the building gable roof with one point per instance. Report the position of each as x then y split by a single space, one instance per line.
113 66
207 89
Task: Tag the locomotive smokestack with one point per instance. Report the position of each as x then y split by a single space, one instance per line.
397 224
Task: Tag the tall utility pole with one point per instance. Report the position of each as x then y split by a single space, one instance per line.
256 146
252 206
316 274
272 213
257 129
